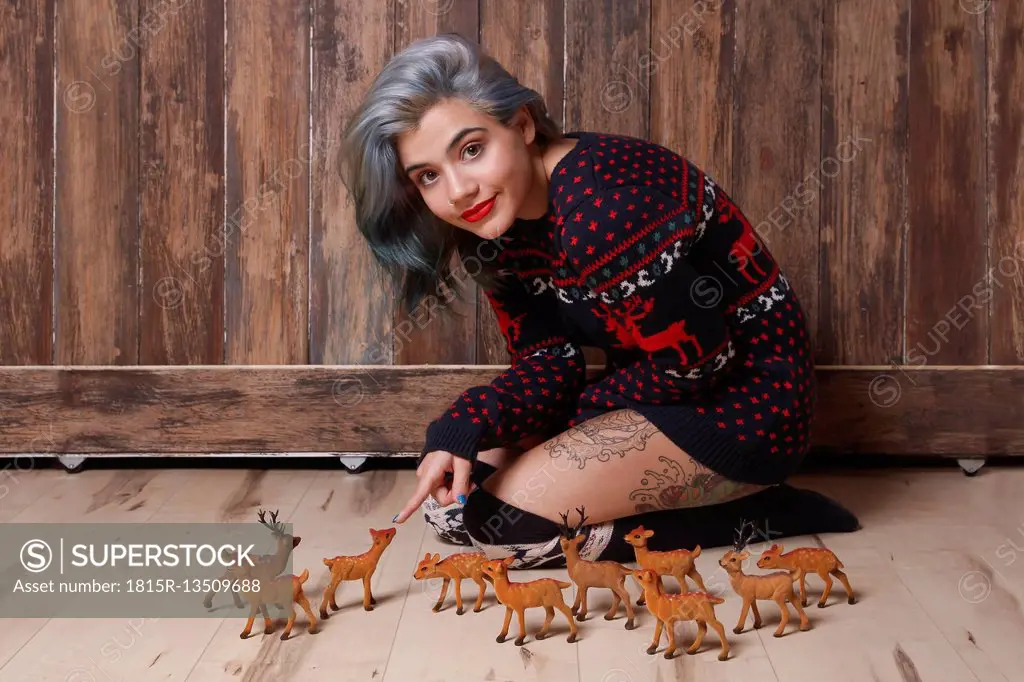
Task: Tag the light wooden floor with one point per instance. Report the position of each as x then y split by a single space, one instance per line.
939 568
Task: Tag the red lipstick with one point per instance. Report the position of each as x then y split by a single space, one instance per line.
479 211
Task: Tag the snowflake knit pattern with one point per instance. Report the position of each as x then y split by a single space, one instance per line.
643 255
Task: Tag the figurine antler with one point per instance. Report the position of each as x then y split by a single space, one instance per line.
274 526
567 530
742 538
583 519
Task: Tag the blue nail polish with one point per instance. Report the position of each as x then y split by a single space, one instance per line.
462 499
395 520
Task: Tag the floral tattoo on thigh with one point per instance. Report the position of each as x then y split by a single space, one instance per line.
607 436
672 487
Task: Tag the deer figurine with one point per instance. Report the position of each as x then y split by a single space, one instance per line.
262 584
271 564
358 567
777 586
678 563
543 592
587 574
282 591
457 567
799 562
669 608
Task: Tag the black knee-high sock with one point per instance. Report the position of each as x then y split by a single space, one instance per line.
777 512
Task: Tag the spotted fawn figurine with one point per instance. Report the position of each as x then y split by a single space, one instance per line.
777 586
358 567
799 562
679 563
670 608
587 574
543 592
457 567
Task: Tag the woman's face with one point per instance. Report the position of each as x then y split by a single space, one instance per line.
471 170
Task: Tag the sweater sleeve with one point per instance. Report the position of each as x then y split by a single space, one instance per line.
630 245
535 395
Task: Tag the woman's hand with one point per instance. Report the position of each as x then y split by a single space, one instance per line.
432 472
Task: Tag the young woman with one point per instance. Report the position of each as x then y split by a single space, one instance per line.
585 239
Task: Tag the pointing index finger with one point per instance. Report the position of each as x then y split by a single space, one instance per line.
422 490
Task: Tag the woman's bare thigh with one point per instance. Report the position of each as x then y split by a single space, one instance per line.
614 465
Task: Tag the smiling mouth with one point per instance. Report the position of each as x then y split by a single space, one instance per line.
479 211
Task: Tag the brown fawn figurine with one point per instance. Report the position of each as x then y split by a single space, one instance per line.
678 563
457 567
543 592
587 574
271 564
669 608
799 562
263 585
358 567
777 586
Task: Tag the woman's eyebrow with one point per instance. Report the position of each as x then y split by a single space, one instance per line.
455 141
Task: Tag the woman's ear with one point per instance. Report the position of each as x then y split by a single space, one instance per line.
523 124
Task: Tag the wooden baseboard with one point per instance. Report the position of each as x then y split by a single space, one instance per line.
184 410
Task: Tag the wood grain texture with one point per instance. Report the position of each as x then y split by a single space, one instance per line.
948 410
421 629
947 302
96 220
692 96
863 197
527 38
952 411
608 64
101 650
182 189
333 517
350 307
428 334
267 174
778 162
947 572
26 174
1005 178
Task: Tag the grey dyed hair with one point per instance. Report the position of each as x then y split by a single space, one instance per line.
411 244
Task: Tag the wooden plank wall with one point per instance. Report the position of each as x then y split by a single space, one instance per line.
172 192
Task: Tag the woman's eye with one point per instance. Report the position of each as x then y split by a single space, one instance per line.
475 146
424 178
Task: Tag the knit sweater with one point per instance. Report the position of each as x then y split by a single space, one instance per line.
643 255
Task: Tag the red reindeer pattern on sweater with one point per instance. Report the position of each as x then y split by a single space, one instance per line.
625 325
747 245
